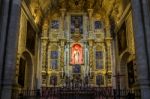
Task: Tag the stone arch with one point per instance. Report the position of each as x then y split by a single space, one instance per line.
123 69
28 70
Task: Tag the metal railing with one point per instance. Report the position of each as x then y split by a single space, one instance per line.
77 93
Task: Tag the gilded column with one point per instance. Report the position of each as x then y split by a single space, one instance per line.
63 11
44 53
62 45
44 40
108 60
91 54
91 43
107 27
90 12
109 54
44 46
62 40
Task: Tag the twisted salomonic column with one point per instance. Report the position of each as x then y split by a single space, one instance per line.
44 53
91 53
62 45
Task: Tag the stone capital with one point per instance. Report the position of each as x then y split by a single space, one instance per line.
63 11
91 42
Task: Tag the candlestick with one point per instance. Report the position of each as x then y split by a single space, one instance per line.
90 71
62 72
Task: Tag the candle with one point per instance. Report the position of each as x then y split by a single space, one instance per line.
62 71
90 71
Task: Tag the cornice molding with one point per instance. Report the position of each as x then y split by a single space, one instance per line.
29 16
123 17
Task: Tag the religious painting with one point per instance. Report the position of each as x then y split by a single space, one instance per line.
99 55
99 64
122 41
99 80
53 80
54 64
54 60
76 69
98 25
76 54
54 54
55 24
130 68
99 59
76 24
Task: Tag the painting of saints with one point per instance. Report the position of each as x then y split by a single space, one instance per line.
76 23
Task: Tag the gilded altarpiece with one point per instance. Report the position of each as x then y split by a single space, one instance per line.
77 51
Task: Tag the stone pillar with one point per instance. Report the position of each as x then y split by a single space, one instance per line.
39 68
141 48
3 29
146 15
9 30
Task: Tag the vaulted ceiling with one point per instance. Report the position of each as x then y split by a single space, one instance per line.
43 8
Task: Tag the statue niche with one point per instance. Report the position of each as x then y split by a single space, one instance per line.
76 54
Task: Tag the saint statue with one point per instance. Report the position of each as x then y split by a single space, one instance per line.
76 56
